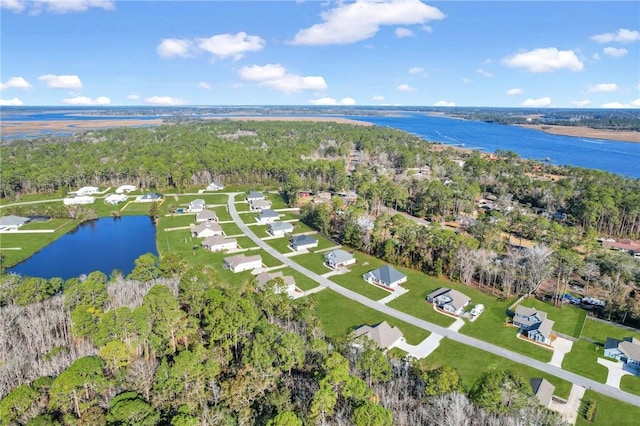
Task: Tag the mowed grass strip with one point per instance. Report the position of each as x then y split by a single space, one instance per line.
280 244
177 221
600 331
339 315
583 360
313 262
630 384
231 229
610 411
568 319
51 224
303 282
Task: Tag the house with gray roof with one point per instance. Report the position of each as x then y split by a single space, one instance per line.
384 335
543 390
219 243
206 229
339 259
386 276
533 324
240 262
303 242
149 197
87 190
12 222
278 229
288 286
259 205
197 205
449 300
255 195
626 350
215 186
268 216
206 216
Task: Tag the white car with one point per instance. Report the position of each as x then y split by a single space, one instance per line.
477 310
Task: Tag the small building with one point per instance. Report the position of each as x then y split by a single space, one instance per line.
543 390
74 201
87 190
289 282
279 229
115 198
215 186
626 350
255 195
339 259
241 263
384 335
629 246
206 216
219 243
206 229
197 205
303 242
533 324
12 222
386 276
322 197
449 300
268 216
125 189
149 197
259 205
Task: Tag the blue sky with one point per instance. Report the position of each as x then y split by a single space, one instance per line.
367 52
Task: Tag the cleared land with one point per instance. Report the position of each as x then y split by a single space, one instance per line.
587 132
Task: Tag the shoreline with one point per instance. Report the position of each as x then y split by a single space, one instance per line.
585 132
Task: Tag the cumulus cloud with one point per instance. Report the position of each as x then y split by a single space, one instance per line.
85 101
622 36
444 104
133 97
406 88
537 103
221 45
165 101
276 76
581 104
62 81
56 6
604 88
416 70
173 47
596 57
15 83
378 98
515 91
16 6
402 32
204 85
352 22
333 101
10 102
484 73
632 104
615 52
544 60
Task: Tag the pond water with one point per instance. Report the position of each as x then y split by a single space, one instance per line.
102 245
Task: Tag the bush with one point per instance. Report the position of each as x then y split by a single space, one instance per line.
590 410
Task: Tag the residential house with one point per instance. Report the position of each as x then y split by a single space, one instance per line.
384 335
219 243
339 259
534 324
241 263
386 276
206 229
543 390
215 186
123 189
259 205
206 216
289 285
267 216
629 246
12 222
449 300
72 201
197 205
115 198
87 190
303 242
149 197
626 350
254 196
279 229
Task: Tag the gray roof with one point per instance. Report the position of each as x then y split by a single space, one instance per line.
207 225
457 300
338 256
303 240
13 220
268 213
280 226
217 240
529 315
260 203
543 390
383 334
239 259
631 348
150 196
611 343
198 201
545 327
264 277
255 194
387 274
206 214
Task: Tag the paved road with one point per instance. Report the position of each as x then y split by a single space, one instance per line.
453 335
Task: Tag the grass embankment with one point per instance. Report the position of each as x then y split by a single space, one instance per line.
609 411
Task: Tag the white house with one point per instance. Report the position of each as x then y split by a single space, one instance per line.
289 282
87 190
303 242
219 243
115 198
123 189
386 276
241 263
206 216
254 196
12 222
197 205
72 201
259 205
279 229
339 258
206 229
267 216
149 197
215 186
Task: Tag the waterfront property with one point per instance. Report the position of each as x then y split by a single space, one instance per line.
288 284
626 350
219 243
279 229
206 216
386 276
339 259
150 197
12 222
533 324
241 263
206 229
115 198
449 300
73 201
303 242
384 335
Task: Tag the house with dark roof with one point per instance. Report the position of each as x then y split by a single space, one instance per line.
543 390
534 324
241 263
288 286
12 222
384 335
279 229
626 350
303 242
254 196
449 300
219 243
206 229
149 197
268 216
386 276
339 259
206 216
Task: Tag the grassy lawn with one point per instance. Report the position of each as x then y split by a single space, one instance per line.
209 199
472 363
50 224
599 331
231 229
267 260
262 231
280 244
277 201
245 242
609 412
176 221
567 319
339 315
136 208
583 360
630 384
289 216
323 243
31 243
302 282
300 227
312 261
222 213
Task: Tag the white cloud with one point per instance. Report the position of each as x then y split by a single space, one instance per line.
544 60
581 104
427 29
416 70
485 73
133 97
276 76
10 102
515 91
536 103
622 36
333 101
615 52
165 101
15 83
16 6
84 100
596 57
402 32
632 104
352 22
173 47
231 45
444 104
56 6
406 88
378 98
204 85
604 88
62 81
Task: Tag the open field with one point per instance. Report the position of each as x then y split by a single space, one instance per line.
599 331
630 384
610 411
353 279
313 261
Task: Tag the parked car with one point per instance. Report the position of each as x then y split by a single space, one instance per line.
477 310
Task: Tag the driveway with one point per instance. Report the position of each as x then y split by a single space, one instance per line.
570 410
561 347
423 349
616 371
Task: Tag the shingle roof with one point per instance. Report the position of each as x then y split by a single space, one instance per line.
207 225
260 203
383 334
206 214
268 213
303 240
338 256
543 390
387 274
458 300
264 277
255 194
239 259
529 315
545 327
630 348
280 226
217 240
12 220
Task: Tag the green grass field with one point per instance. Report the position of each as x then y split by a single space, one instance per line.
277 201
567 319
583 360
176 221
609 412
231 229
209 199
280 244
29 244
52 224
300 227
599 331
312 261
302 282
135 208
630 384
